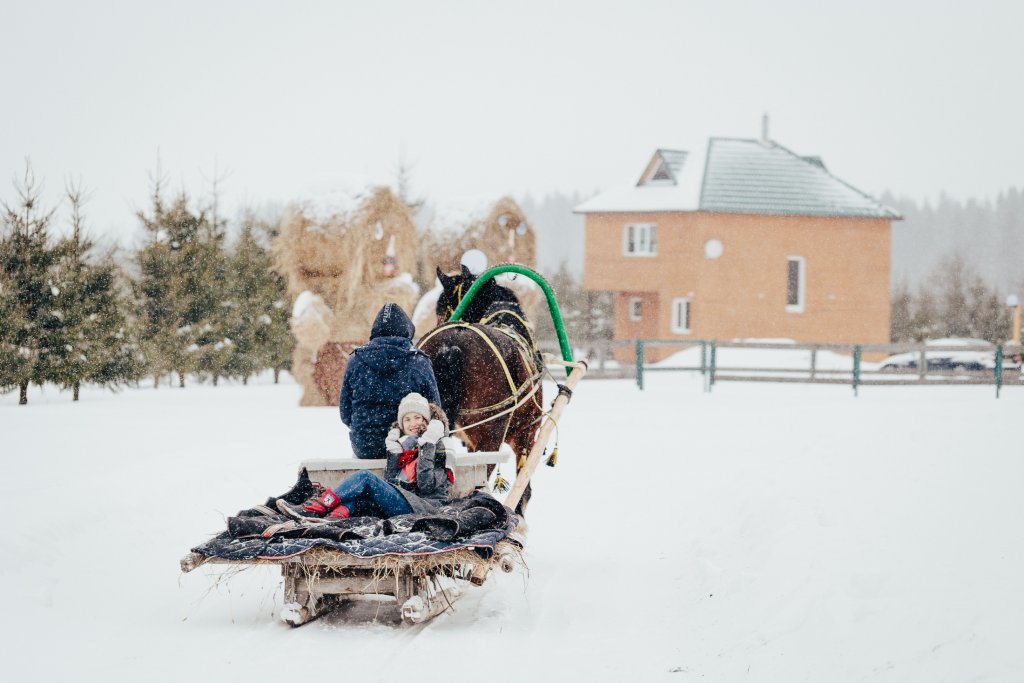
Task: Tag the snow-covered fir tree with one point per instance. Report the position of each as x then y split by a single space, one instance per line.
180 289
247 305
277 340
14 364
96 342
156 289
211 309
274 334
27 259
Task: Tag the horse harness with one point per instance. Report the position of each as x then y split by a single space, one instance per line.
449 310
529 386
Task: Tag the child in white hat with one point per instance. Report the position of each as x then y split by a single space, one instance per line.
415 478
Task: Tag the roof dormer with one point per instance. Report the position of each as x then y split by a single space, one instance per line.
663 168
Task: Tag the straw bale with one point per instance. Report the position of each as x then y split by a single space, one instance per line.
334 247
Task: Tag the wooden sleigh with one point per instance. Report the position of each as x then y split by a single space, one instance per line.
409 588
420 587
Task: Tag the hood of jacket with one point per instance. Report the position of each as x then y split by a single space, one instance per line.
387 355
392 321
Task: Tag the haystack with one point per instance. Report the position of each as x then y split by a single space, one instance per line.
344 256
498 228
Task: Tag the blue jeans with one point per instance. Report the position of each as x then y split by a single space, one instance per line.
364 493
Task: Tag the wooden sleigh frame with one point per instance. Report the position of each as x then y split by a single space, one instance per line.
422 586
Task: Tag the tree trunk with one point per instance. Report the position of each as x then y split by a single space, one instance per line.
181 380
277 373
156 380
74 390
23 394
215 380
245 381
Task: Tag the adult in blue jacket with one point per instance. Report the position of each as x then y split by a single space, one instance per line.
378 376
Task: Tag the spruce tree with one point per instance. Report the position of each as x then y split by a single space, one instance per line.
156 289
247 299
96 345
277 340
271 304
179 289
27 261
901 329
210 308
14 364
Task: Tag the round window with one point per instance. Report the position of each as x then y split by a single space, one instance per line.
713 249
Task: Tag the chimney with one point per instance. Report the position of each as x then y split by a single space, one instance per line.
764 128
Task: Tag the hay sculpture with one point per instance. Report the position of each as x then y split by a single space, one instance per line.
344 256
498 228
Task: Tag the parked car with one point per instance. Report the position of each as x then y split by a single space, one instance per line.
978 356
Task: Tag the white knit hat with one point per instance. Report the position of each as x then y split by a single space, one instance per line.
414 403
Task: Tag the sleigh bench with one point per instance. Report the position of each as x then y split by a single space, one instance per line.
470 468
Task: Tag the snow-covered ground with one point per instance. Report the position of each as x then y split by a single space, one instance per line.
761 532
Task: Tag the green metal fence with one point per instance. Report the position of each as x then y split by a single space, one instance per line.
921 373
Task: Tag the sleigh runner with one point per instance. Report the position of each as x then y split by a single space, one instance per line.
415 566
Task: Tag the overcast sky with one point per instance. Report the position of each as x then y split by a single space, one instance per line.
500 98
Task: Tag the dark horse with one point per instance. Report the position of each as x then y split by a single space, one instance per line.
485 365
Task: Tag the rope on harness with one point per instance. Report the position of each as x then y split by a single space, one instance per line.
506 411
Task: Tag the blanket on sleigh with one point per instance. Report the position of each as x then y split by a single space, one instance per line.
477 522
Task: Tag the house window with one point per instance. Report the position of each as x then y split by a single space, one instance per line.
640 239
635 309
681 316
795 283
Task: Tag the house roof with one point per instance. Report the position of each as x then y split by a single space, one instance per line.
740 176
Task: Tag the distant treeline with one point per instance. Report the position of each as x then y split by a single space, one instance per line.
987 236
954 263
187 302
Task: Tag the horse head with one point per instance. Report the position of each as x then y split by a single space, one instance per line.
454 288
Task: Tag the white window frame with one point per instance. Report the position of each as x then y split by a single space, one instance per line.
685 328
801 284
636 309
643 233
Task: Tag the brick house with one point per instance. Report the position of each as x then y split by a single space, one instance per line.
749 240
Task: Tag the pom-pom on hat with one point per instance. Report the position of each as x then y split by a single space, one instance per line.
414 403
